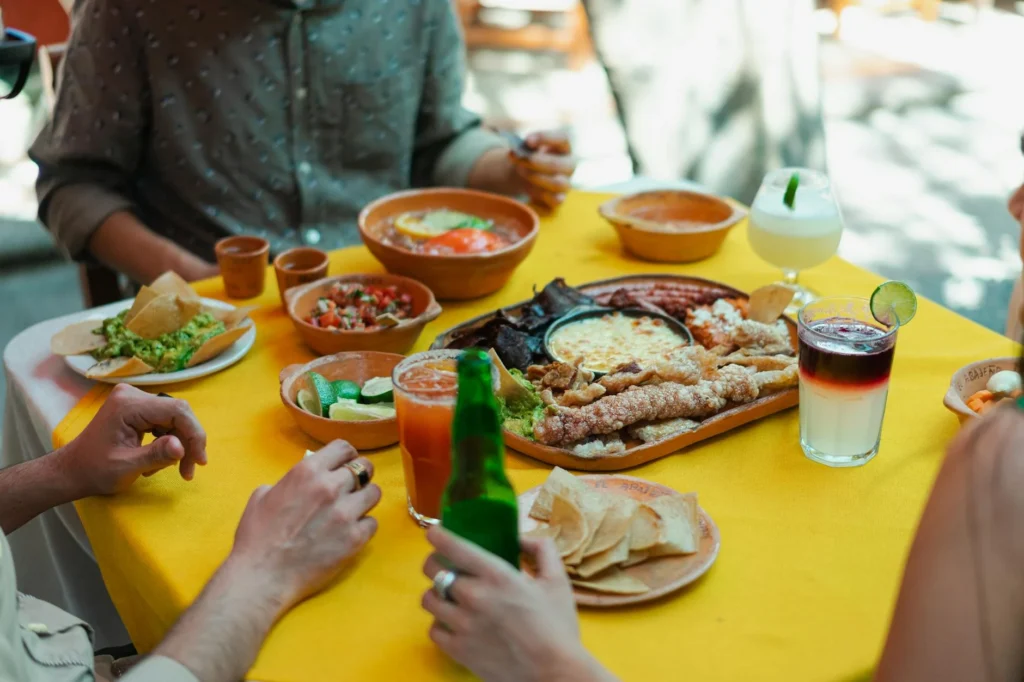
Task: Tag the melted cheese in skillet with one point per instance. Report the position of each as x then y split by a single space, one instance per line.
615 339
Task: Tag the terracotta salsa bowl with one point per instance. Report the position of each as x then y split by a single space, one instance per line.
357 367
454 277
300 300
671 226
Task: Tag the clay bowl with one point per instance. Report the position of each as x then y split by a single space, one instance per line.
970 379
455 277
671 226
299 301
358 367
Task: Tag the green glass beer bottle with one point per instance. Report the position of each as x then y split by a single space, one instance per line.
479 503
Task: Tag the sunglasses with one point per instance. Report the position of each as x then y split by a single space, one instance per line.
17 52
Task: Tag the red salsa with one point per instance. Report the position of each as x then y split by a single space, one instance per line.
350 306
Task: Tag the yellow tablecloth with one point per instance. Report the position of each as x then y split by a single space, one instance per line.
811 556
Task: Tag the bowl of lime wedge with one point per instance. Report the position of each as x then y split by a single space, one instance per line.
347 396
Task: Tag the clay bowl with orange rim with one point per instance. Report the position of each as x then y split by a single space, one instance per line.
359 367
459 276
970 379
300 301
671 226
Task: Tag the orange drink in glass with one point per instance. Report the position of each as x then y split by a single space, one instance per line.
425 388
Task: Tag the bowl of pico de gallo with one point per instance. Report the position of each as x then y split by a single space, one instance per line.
383 312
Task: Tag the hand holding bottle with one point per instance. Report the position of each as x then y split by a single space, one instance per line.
504 624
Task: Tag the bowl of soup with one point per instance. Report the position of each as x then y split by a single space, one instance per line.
461 243
671 226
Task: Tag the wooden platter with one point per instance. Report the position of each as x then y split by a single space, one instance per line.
641 453
663 575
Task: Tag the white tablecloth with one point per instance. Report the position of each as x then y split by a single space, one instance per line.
52 556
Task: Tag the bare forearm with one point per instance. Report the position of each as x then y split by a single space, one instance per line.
30 488
221 633
128 246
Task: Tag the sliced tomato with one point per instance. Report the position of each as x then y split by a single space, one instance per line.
464 240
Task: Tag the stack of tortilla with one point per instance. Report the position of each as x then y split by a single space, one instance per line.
165 306
599 531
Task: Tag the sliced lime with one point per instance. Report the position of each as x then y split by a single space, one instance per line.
378 390
307 400
894 303
343 388
351 411
321 389
790 196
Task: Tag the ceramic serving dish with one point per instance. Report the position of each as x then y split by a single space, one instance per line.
665 575
358 367
671 226
454 277
300 300
970 379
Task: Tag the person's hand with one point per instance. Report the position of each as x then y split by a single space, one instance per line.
109 455
295 536
503 624
545 166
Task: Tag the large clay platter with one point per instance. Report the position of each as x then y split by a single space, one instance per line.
642 453
664 575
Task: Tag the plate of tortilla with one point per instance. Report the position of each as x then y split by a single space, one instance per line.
623 540
167 334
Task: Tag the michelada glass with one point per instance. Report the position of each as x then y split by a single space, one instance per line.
794 238
425 388
845 359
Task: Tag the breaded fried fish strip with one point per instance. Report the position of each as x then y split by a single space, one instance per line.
762 363
640 403
777 380
752 334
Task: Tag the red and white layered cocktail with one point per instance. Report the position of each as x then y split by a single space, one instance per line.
845 359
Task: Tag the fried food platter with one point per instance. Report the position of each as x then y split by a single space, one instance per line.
678 296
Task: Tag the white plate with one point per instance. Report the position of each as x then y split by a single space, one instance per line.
235 352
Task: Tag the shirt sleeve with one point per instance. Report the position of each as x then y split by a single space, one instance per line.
449 139
91 147
159 669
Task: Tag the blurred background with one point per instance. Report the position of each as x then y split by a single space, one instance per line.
913 108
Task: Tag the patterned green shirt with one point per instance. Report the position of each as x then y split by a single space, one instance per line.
278 118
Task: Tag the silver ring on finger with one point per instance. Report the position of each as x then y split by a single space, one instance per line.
359 472
443 582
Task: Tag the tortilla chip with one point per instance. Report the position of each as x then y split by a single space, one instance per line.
216 345
635 557
681 529
610 557
614 582
232 318
769 302
118 367
171 283
142 299
614 525
645 529
78 338
594 505
543 530
561 482
572 525
159 316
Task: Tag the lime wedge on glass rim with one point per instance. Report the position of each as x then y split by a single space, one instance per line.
894 303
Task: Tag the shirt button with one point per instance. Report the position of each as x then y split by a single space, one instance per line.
301 93
305 168
38 628
311 236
